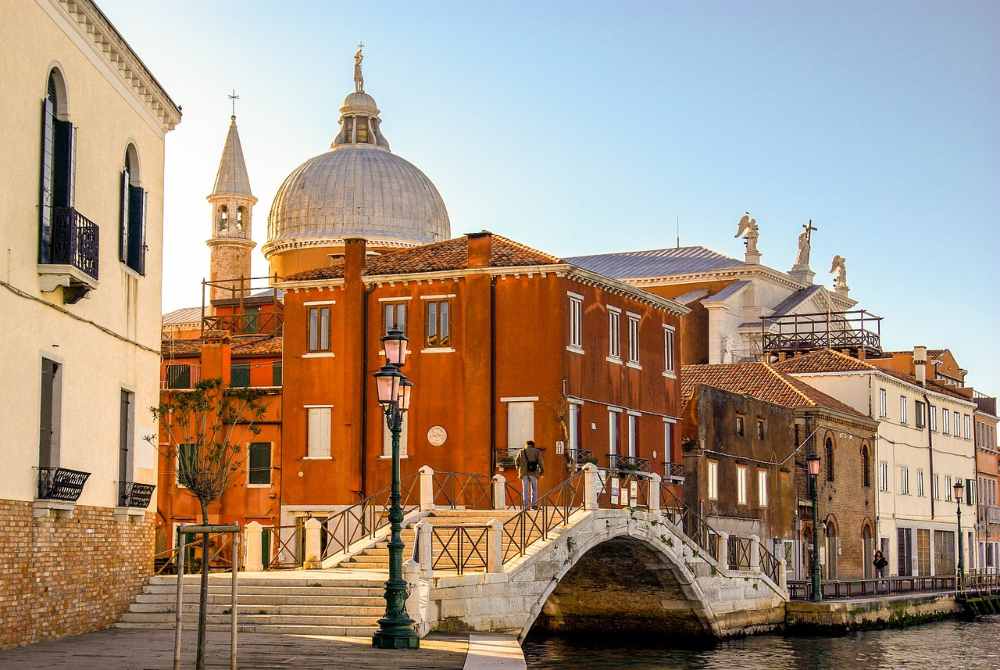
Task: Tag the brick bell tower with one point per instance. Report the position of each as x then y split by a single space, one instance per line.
232 219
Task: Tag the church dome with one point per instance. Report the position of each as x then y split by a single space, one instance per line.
358 188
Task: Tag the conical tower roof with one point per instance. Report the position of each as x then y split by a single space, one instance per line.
232 176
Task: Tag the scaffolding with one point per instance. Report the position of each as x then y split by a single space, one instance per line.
857 332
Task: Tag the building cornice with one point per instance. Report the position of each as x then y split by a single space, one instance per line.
110 47
280 246
889 379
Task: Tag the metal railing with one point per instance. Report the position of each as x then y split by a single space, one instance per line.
620 463
581 456
220 555
75 241
462 490
179 376
622 489
247 323
769 564
673 471
863 588
60 483
554 510
134 494
364 519
691 523
460 547
738 552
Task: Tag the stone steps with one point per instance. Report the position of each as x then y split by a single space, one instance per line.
338 620
375 609
272 600
275 629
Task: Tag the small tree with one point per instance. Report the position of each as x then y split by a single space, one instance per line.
199 426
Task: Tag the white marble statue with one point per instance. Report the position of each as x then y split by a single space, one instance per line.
749 231
839 270
805 245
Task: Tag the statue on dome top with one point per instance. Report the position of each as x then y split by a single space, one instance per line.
359 80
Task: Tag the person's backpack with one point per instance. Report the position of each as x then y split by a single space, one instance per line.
531 465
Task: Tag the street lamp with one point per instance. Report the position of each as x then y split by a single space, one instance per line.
959 490
812 461
393 388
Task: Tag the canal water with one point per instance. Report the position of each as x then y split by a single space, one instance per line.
946 645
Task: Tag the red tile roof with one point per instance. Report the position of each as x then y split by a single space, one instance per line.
760 381
450 254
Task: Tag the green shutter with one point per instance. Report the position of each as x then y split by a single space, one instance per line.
45 198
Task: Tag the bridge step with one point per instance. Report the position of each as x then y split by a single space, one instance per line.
283 629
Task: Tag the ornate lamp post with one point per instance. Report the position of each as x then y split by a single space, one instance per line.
959 490
812 461
396 627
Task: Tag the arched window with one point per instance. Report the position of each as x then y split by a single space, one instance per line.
866 464
57 170
223 218
829 460
132 218
868 544
831 539
240 213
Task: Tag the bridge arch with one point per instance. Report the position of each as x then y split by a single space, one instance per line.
629 581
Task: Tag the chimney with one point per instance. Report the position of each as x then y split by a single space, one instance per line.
354 258
480 249
920 364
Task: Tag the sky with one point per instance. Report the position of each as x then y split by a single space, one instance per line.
579 127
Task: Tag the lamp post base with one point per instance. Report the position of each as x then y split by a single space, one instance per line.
402 637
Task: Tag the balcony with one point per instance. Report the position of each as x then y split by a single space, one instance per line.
134 494
989 514
61 484
179 376
673 472
853 332
581 457
72 260
618 463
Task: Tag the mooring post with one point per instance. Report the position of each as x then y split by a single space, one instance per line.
179 605
233 605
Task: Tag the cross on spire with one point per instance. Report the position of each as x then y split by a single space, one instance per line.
233 97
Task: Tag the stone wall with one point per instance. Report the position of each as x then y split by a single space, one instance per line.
68 573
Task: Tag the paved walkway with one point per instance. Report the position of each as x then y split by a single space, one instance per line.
116 649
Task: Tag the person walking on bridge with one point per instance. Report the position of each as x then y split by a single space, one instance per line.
529 469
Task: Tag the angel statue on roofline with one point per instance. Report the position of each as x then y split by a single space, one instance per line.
839 270
749 231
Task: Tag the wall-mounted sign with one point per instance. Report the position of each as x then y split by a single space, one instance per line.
437 436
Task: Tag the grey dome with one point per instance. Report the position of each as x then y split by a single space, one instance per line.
356 190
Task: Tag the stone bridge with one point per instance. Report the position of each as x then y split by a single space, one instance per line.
595 567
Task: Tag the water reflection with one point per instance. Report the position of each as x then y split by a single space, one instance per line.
948 645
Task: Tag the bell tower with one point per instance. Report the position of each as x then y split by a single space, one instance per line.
232 218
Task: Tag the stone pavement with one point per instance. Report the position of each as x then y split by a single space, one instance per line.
116 649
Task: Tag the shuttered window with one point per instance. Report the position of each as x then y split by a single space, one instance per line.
57 170
387 439
240 375
520 424
276 373
319 432
319 329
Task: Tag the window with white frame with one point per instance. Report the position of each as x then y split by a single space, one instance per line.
762 488
936 487
713 480
259 467
932 414
668 441
967 433
318 327
387 438
920 483
920 417
945 421
613 431
669 349
742 473
947 488
575 321
614 333
957 424
904 480
574 428
902 409
633 339
318 440
520 424
633 435
883 476
883 408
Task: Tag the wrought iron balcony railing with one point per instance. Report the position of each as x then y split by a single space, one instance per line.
134 494
673 471
628 463
60 484
75 241
581 456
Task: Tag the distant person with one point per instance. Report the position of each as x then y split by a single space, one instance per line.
529 469
880 564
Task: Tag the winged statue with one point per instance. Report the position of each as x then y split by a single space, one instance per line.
749 231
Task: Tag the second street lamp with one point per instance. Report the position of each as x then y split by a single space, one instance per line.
959 490
393 388
812 461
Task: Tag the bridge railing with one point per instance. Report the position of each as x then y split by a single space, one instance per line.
739 551
460 547
554 510
865 588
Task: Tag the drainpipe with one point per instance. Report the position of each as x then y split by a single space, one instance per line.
930 447
364 387
493 376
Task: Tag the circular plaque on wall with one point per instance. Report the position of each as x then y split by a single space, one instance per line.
437 435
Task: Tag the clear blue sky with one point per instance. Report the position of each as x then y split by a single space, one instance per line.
588 127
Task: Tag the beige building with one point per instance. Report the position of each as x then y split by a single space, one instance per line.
83 126
924 446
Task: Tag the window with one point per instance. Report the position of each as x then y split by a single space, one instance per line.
178 376
947 488
883 409
187 455
902 409
251 319
668 441
739 425
967 432
574 428
318 431
437 326
920 416
614 334
829 460
760 429
520 424
51 411
920 483
319 328
904 551
741 484
970 491
403 441
259 469
132 215
576 322
613 434
932 413
633 435
957 424
762 488
713 480
239 375
126 436
240 217
223 218
936 487
670 365
633 339
276 373
904 480
945 421
866 476
883 476
393 317
58 166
